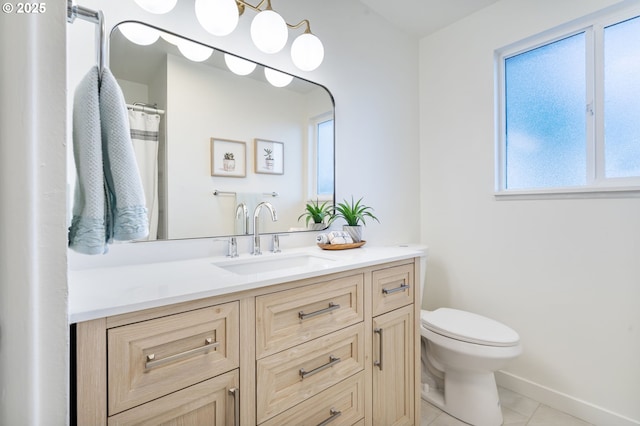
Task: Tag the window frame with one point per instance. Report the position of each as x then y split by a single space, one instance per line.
313 157
597 185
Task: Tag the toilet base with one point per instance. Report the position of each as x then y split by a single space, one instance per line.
468 396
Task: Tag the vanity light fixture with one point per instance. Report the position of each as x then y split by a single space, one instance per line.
157 6
138 33
269 31
194 51
217 17
238 65
277 78
307 51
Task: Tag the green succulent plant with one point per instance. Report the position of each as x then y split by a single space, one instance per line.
354 212
268 153
318 213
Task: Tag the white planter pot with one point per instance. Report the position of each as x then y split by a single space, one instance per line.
354 231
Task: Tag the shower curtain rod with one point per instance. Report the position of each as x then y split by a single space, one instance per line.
96 17
138 106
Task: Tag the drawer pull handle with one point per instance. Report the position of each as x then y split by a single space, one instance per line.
334 415
332 307
152 362
378 363
402 287
236 405
332 361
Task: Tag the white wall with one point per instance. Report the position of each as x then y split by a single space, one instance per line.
33 293
564 273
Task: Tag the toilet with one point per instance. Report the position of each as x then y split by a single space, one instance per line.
460 353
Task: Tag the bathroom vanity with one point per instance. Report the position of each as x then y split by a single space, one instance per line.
302 337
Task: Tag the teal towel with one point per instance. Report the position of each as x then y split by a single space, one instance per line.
109 200
127 211
87 233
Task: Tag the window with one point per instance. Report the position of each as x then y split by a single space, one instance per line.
570 111
322 158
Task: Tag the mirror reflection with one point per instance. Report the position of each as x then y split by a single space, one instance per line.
212 144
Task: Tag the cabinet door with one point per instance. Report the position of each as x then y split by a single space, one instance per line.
393 370
213 402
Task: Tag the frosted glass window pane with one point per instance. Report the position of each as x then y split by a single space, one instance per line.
545 116
325 158
622 99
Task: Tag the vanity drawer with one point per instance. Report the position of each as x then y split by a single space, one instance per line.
212 402
288 318
295 375
342 404
392 288
150 359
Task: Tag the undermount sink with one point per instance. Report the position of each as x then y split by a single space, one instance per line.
276 262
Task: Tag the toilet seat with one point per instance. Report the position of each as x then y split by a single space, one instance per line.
468 327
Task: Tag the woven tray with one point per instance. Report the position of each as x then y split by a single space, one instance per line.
341 246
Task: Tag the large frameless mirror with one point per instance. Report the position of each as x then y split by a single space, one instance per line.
211 141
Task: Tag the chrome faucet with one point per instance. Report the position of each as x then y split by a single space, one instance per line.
256 217
242 211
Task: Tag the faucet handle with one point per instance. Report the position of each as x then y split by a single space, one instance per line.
275 241
233 247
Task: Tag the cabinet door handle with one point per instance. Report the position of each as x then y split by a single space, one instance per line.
332 361
152 362
334 415
332 307
379 362
235 392
402 287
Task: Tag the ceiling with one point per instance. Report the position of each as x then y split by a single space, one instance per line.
424 17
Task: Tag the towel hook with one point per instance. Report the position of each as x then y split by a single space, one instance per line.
96 17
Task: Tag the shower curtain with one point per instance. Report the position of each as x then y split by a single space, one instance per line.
144 135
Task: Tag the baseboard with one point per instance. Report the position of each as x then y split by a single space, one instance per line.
576 407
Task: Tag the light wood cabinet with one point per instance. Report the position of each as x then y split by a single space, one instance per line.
212 402
337 349
394 371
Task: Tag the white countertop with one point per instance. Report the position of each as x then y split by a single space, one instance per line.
104 291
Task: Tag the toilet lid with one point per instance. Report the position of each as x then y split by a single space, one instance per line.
468 327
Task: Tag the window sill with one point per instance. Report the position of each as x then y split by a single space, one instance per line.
569 193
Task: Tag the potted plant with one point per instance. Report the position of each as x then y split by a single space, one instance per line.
268 158
354 213
321 215
229 162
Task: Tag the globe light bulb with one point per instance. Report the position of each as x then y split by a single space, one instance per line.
194 51
269 31
217 17
138 33
238 65
157 6
277 78
307 52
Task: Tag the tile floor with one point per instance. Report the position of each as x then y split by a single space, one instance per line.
517 410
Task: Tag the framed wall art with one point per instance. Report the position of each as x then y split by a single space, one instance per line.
269 157
228 158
